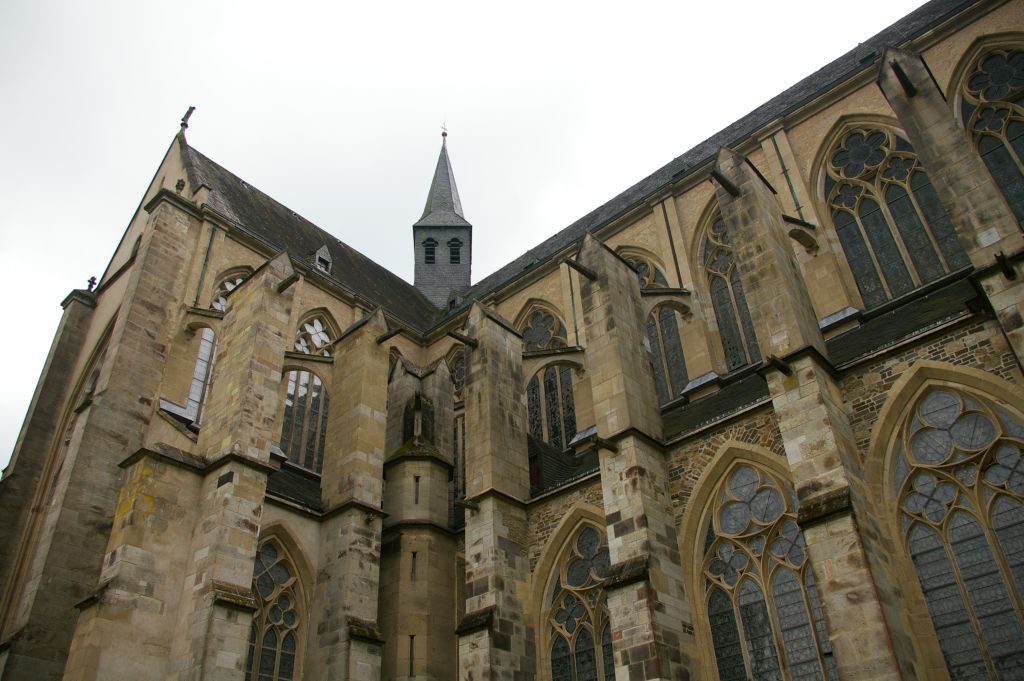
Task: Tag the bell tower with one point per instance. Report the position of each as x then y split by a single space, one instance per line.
442 237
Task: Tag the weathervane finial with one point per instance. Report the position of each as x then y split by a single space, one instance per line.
184 119
444 134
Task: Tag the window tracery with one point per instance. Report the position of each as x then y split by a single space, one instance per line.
667 358
226 285
765 617
992 108
457 369
544 331
276 625
306 404
959 476
730 305
580 646
649 274
550 406
894 231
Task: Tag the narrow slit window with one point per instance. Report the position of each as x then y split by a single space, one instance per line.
412 567
416 489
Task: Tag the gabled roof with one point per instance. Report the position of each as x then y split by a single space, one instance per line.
285 230
443 209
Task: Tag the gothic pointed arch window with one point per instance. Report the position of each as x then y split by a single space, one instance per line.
543 330
726 291
550 406
579 636
958 478
992 109
647 271
227 283
456 360
758 590
667 359
277 626
306 404
894 231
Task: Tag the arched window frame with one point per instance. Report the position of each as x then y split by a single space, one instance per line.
273 579
650 273
664 336
726 296
430 251
766 551
226 283
890 225
456 360
561 553
989 103
542 328
306 397
950 489
454 251
551 405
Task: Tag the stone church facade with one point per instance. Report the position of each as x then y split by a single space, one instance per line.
760 416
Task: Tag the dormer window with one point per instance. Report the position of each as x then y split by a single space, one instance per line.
323 260
454 251
430 251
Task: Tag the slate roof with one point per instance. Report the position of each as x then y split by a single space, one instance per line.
283 229
443 209
864 56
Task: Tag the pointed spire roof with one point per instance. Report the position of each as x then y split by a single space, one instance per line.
443 207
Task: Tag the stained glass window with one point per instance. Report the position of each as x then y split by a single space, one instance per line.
649 274
734 324
580 641
457 369
764 615
893 229
959 474
228 283
550 406
543 331
201 375
276 625
992 108
667 358
306 404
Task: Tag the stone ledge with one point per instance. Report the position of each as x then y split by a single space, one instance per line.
232 596
364 630
627 572
820 507
476 621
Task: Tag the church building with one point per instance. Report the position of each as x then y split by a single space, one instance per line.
759 416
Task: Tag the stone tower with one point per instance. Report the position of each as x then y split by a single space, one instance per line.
442 238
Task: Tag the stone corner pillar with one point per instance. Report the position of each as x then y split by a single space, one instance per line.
983 221
783 317
648 610
348 585
211 635
495 641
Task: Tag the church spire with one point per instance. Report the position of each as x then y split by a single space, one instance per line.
442 238
443 207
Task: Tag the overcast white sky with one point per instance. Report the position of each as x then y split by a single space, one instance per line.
335 110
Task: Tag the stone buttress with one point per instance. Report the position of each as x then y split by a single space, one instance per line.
65 542
417 593
815 428
347 636
649 613
495 641
214 618
985 225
